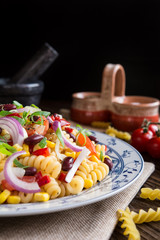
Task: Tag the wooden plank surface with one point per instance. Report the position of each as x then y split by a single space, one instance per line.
148 231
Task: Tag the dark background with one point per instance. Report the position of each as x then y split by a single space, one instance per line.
87 35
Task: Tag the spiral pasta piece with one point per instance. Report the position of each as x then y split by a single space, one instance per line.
128 224
144 216
75 186
85 168
100 148
150 193
52 188
48 164
119 134
25 197
99 173
62 187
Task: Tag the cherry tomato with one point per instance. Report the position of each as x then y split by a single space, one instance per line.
140 138
153 147
153 128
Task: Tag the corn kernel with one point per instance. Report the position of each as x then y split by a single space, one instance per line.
25 147
4 195
88 183
106 156
41 197
17 147
70 154
13 199
50 144
94 159
27 154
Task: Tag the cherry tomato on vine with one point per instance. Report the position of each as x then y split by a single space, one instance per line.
153 147
139 139
153 128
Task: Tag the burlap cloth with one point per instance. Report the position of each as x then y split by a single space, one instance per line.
93 222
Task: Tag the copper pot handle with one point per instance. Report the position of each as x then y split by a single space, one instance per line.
113 83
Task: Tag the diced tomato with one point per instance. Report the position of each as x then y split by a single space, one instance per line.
62 176
6 185
68 129
42 151
14 114
29 179
86 142
44 180
38 175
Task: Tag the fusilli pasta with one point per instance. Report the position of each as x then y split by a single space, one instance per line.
144 216
128 224
150 193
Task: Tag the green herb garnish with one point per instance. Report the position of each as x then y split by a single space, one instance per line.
101 155
59 135
4 113
5 148
18 164
18 105
43 142
33 105
20 120
40 114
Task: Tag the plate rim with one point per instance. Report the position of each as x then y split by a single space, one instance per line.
76 204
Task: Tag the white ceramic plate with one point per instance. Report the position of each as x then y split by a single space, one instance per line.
127 167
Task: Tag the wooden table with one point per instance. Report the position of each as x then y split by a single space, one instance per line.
148 231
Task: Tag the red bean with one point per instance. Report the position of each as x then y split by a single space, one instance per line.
67 163
92 138
7 107
33 139
108 162
30 171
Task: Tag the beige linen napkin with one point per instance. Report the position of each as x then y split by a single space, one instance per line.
93 222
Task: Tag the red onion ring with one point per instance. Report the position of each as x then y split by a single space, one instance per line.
73 147
14 128
15 182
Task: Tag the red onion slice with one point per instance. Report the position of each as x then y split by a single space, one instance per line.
14 128
15 182
70 145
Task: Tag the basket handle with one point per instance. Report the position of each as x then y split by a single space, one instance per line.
113 84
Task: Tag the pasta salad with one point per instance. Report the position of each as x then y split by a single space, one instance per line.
42 157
